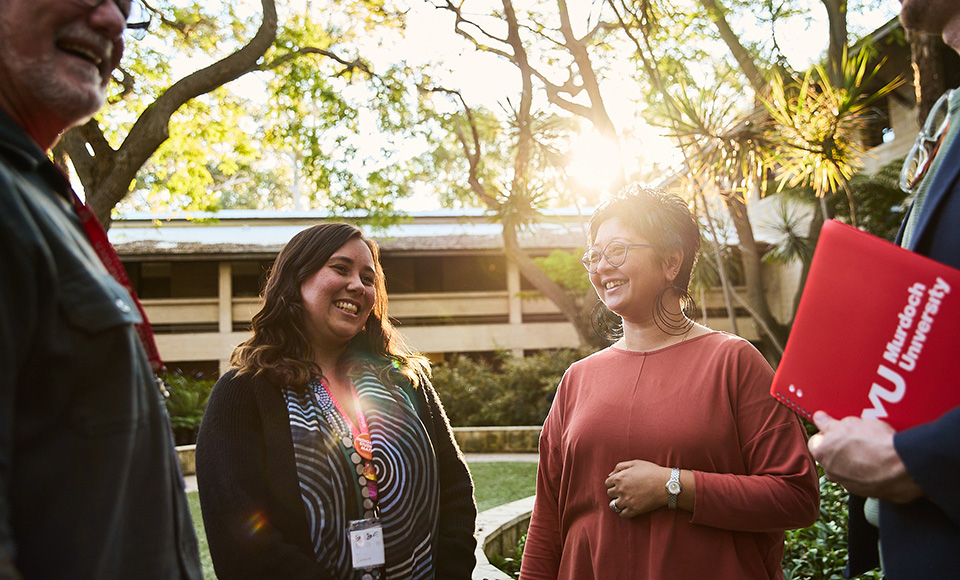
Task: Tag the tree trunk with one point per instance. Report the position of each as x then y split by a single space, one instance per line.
571 309
752 266
928 78
725 284
837 19
730 38
517 205
816 224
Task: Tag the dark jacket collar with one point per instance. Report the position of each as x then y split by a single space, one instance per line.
941 184
22 151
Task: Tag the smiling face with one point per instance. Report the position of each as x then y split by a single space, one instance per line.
339 296
630 290
56 57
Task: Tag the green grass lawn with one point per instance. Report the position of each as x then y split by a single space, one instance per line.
194 500
495 484
499 483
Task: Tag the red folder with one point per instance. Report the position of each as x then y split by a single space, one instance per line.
877 333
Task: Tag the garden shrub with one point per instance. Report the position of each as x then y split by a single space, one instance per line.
185 405
820 551
503 392
510 564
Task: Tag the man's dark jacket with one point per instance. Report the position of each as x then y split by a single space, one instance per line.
921 539
90 487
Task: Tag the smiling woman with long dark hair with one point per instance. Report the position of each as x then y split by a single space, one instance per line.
326 439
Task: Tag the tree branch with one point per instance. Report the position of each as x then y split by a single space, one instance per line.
351 65
152 128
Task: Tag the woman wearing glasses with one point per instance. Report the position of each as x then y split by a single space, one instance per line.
664 456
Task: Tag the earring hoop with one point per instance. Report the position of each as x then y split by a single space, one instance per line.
673 323
605 322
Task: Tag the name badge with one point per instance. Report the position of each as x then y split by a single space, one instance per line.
366 543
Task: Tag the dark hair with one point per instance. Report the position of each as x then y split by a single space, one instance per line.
280 348
659 217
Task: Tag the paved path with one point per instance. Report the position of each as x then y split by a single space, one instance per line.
191 480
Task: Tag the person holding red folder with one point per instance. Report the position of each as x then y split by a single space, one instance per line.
911 524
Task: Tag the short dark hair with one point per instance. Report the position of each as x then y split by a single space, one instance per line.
280 348
661 218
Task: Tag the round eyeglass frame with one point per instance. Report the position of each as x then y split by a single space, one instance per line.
137 17
918 161
591 258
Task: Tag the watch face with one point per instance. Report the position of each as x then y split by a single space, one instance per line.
673 487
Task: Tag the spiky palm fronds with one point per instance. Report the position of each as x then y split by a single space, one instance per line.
818 123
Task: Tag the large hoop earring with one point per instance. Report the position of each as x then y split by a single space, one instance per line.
674 323
605 322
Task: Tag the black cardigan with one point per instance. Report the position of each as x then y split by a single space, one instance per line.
247 477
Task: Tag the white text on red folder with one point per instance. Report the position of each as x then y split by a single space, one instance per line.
894 352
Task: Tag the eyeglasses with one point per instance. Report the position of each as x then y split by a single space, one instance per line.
137 15
615 253
928 143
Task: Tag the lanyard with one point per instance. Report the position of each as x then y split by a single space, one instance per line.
362 443
361 435
111 261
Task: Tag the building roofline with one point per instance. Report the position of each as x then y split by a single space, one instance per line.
294 216
252 234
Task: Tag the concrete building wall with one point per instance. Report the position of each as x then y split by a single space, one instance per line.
203 330
456 293
902 133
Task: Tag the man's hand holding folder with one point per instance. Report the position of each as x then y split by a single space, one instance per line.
859 455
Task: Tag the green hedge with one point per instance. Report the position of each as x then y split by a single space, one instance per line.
820 551
500 392
504 391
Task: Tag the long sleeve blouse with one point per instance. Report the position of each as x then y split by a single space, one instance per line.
702 405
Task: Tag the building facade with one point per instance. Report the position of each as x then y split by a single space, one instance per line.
893 125
450 287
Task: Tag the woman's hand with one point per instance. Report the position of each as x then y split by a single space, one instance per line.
638 486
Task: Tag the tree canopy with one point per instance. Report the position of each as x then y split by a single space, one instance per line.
239 105
313 105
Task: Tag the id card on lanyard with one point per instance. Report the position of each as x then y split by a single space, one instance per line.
366 543
364 536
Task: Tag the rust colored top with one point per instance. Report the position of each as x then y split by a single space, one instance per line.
702 405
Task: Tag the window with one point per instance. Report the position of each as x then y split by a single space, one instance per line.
174 279
426 274
877 129
249 277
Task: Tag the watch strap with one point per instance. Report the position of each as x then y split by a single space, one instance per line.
674 482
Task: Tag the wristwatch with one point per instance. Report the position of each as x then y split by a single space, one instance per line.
673 488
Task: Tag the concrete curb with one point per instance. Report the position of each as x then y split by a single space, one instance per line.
498 531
